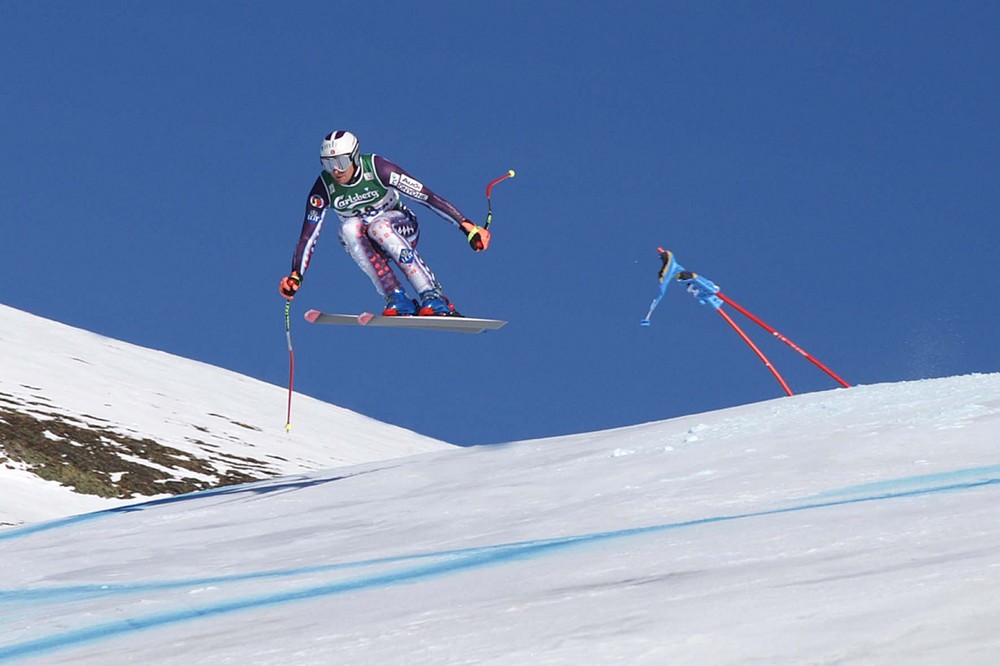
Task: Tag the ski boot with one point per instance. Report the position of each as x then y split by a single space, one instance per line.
434 303
398 304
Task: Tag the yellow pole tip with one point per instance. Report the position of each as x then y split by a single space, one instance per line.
511 173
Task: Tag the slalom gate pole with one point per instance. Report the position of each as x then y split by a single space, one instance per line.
291 363
489 203
756 350
781 337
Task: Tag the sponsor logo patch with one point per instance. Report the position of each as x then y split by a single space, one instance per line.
342 203
315 201
407 182
408 186
406 256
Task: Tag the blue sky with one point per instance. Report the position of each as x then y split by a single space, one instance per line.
832 166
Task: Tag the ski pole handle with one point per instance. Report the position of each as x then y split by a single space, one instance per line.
489 189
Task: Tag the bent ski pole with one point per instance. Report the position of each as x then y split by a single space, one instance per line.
489 190
291 363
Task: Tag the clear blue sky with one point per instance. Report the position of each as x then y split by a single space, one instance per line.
834 167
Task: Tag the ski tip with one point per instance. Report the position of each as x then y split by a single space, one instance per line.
312 315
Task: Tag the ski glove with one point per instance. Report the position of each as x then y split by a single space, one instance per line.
479 237
290 285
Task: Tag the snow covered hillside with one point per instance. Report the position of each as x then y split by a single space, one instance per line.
87 422
853 526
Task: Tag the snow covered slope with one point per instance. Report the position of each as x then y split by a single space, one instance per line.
113 419
854 526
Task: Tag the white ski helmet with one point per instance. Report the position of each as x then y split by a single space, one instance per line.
339 150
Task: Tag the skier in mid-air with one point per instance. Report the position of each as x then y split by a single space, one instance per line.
376 228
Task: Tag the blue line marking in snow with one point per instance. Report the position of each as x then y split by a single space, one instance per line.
57 594
459 560
253 488
957 476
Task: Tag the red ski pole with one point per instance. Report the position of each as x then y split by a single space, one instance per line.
756 350
781 337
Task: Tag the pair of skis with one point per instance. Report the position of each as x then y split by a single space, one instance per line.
431 323
708 293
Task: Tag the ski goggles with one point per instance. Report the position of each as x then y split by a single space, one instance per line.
336 162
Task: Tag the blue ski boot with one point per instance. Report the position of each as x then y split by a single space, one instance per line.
433 303
398 304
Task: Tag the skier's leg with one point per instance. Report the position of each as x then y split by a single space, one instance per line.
367 256
397 233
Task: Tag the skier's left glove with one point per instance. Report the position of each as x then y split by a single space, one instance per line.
478 237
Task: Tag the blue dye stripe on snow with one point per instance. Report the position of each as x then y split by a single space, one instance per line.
462 560
958 476
254 488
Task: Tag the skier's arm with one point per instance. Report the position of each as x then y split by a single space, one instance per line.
394 176
316 208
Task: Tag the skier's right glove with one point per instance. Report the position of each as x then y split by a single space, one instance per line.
478 237
289 285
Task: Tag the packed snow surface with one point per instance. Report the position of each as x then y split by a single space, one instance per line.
853 526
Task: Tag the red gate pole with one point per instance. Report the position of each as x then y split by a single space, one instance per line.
781 337
756 350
